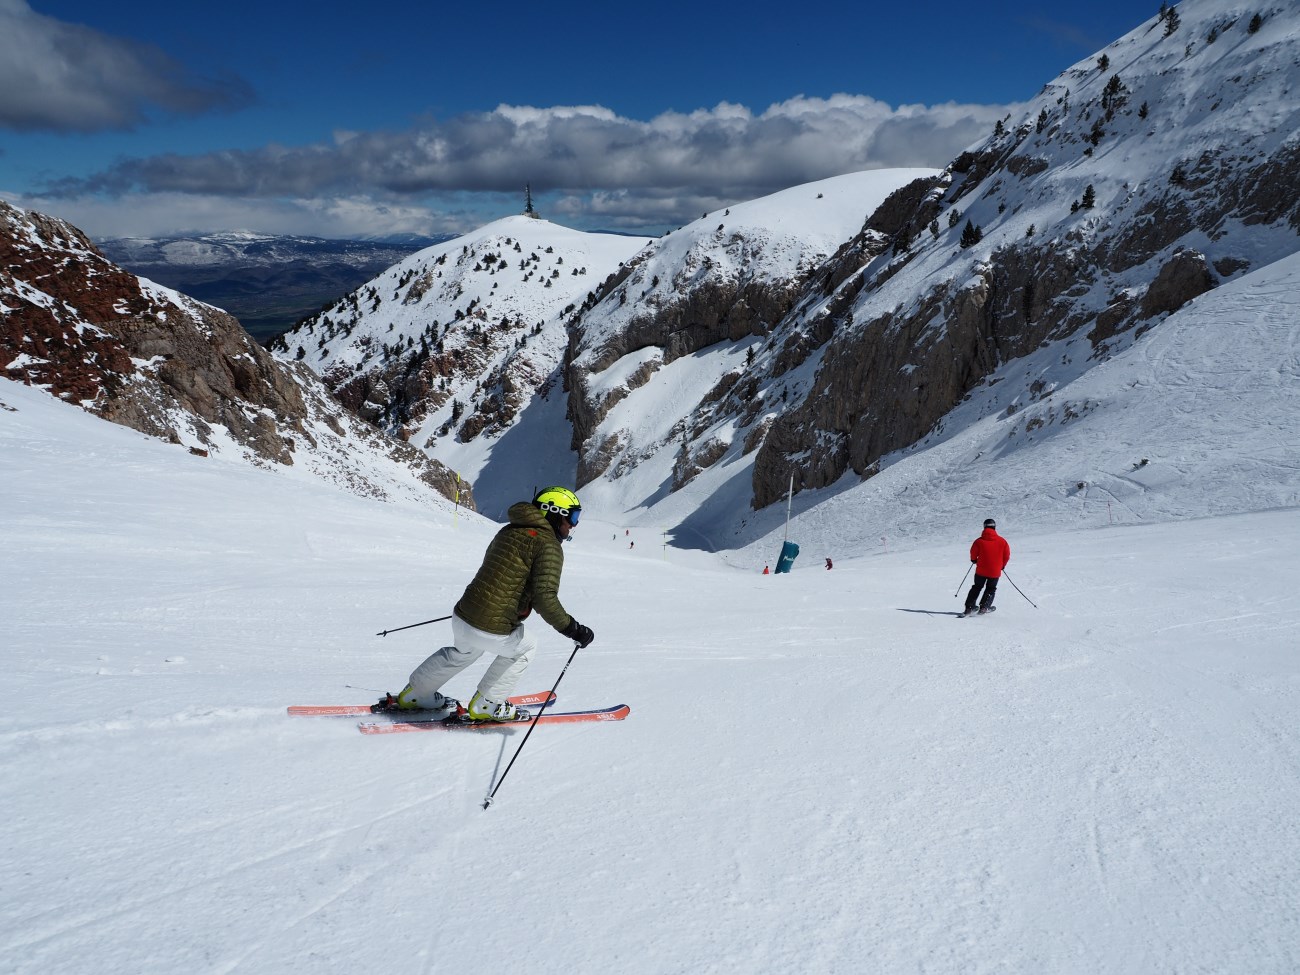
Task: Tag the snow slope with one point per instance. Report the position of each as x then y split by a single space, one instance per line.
1196 417
822 772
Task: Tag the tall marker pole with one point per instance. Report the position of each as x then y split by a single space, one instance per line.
789 498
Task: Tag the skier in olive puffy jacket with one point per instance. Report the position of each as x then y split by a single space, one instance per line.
990 554
520 572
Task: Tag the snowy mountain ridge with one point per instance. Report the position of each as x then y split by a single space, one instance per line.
251 248
449 344
464 356
707 289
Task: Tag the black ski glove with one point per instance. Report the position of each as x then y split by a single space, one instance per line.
579 634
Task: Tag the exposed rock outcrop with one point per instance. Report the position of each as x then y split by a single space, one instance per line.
154 360
933 318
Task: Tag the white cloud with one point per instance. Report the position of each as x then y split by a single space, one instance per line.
586 165
726 150
56 76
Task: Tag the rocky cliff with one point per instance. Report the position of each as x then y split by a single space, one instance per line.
149 358
1133 183
725 284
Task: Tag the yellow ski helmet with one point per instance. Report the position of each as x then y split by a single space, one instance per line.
560 501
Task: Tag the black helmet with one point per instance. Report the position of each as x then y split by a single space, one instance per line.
990 523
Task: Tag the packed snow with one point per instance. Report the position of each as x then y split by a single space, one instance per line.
823 771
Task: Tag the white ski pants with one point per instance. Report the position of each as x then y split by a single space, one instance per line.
513 652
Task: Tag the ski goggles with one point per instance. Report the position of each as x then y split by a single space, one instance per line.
571 514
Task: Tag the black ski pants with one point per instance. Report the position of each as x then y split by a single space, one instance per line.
990 587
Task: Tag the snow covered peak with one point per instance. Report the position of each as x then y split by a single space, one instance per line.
775 239
447 346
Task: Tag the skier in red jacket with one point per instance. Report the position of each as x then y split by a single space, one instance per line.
990 553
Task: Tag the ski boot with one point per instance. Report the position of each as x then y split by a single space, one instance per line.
481 708
405 702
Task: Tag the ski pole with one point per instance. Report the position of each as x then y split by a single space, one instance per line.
549 698
963 581
412 626
1017 588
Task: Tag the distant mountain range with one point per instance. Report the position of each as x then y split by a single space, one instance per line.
267 282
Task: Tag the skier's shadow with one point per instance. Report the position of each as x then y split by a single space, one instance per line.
929 612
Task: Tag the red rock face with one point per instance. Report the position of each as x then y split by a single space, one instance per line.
133 353
166 365
61 301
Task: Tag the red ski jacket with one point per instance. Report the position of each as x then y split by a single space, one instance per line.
990 553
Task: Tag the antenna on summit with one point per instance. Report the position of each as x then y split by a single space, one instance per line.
528 202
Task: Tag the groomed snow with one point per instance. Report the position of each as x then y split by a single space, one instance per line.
822 772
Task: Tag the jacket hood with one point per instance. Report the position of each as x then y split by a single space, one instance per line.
987 533
527 513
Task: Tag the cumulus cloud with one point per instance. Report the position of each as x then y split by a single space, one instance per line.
728 151
56 76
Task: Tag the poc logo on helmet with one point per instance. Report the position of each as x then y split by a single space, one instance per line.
560 501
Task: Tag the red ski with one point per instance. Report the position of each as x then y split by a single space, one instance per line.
519 700
401 723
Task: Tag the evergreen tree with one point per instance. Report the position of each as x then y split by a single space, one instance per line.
1110 96
1089 197
971 235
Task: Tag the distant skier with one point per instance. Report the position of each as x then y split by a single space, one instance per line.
520 572
828 564
766 570
990 554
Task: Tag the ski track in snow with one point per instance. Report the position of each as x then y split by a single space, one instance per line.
822 771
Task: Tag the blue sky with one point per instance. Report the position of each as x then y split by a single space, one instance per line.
351 120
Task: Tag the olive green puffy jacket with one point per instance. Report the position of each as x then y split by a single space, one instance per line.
520 572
